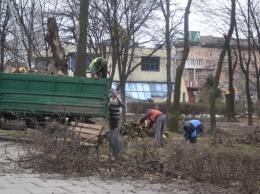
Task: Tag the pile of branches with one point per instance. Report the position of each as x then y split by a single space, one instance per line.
251 137
134 130
229 167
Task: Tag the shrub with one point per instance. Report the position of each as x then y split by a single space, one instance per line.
225 164
187 108
228 167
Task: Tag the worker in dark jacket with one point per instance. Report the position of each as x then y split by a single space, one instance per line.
191 129
98 66
155 116
114 110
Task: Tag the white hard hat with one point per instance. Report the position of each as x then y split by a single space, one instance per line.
104 62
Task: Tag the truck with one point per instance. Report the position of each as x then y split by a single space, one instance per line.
41 96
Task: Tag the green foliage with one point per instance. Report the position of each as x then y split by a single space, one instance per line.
208 84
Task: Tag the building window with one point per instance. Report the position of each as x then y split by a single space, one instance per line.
218 54
226 74
194 63
44 63
179 53
252 56
144 90
244 55
150 64
210 65
252 75
210 54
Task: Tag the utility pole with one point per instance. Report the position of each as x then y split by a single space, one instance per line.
17 32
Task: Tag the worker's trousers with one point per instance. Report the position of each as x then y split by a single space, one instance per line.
159 129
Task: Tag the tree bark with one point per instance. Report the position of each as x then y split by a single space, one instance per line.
166 14
230 97
245 62
218 72
177 91
82 39
54 42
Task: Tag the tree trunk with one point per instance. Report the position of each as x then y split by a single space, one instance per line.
54 42
2 50
244 63
166 13
176 102
218 72
230 97
82 39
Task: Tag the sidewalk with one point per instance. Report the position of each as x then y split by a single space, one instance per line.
14 180
43 184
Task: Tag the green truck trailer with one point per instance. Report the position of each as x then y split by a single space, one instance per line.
49 95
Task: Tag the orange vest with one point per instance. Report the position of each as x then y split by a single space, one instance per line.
153 114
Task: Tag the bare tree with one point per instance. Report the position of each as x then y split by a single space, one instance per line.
5 14
230 95
30 18
171 29
218 71
26 13
125 21
256 45
41 46
98 35
179 71
246 61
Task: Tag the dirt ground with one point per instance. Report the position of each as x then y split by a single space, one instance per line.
236 129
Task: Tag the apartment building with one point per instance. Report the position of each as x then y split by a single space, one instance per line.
202 62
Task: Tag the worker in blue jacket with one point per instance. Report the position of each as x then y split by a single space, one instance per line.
191 129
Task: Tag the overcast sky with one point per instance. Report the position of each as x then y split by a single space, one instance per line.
197 20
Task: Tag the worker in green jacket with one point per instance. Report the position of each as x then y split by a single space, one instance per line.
98 67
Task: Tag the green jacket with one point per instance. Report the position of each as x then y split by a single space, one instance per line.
95 65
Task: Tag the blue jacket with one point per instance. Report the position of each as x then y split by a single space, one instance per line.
192 128
195 122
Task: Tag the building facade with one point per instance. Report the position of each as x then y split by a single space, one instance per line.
149 80
202 62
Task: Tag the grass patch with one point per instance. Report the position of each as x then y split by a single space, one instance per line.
248 147
13 133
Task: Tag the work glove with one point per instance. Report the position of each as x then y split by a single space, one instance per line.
95 77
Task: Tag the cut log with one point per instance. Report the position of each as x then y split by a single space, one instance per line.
52 38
